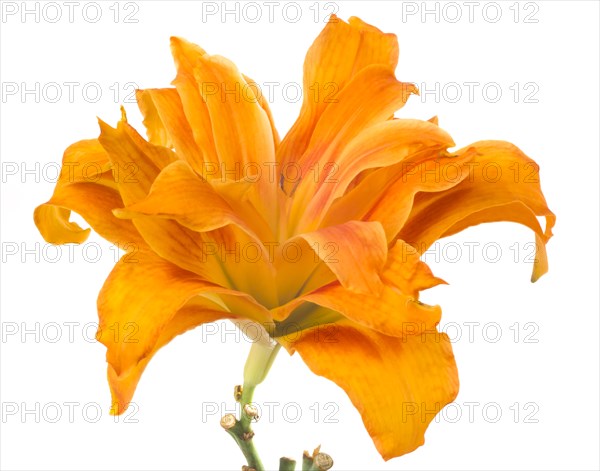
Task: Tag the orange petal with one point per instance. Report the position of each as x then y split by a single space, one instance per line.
499 177
155 127
86 185
405 271
513 212
54 225
264 104
381 145
300 269
394 205
398 385
368 99
167 125
178 193
337 54
241 127
242 197
137 307
186 56
354 251
135 162
123 386
393 310
431 170
242 131
95 204
167 238
181 195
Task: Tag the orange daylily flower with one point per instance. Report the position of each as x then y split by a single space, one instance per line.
222 220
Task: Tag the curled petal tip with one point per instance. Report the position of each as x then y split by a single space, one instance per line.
440 281
104 126
535 276
176 41
118 407
120 213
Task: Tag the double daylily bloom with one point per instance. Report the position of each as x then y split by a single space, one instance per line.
222 220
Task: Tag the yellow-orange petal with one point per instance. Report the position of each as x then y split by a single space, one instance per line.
354 251
167 125
86 161
193 314
241 128
242 197
393 310
511 212
369 98
433 175
337 54
56 228
137 305
179 193
300 269
186 55
405 270
95 204
499 176
135 162
155 127
397 384
431 170
86 186
382 145
264 104
167 238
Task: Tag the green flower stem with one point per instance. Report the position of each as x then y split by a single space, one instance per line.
261 357
245 419
307 462
243 435
287 464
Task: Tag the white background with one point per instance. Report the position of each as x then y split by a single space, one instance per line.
550 370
